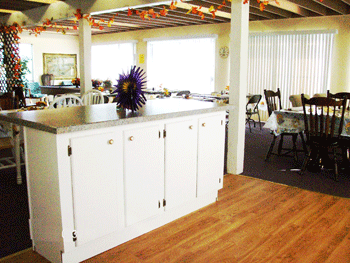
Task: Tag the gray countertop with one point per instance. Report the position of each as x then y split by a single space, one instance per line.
81 118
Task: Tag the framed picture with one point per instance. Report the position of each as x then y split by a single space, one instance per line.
61 66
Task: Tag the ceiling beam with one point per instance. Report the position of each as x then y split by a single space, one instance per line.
272 9
337 6
312 6
291 7
346 1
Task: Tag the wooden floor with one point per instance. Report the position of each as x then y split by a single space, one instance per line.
253 221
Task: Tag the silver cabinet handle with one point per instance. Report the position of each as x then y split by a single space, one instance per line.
111 141
203 124
131 138
191 127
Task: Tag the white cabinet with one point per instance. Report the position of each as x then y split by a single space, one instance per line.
143 172
109 185
96 165
211 150
180 162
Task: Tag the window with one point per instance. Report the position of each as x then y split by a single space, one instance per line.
26 54
182 64
110 60
294 62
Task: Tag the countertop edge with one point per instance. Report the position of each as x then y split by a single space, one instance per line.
111 123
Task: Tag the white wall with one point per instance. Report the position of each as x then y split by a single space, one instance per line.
340 79
49 43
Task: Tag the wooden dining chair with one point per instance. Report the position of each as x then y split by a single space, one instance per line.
340 96
344 140
252 109
323 120
273 101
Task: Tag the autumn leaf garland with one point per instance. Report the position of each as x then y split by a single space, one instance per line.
150 14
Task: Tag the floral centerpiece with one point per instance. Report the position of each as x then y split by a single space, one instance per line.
96 83
107 84
76 81
129 90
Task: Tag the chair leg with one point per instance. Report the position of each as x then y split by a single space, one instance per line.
336 171
303 142
280 145
294 138
306 162
271 148
259 120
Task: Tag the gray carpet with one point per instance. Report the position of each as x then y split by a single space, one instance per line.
283 169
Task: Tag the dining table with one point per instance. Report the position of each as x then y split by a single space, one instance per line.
292 120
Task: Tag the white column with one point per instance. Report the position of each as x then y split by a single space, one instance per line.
85 55
238 85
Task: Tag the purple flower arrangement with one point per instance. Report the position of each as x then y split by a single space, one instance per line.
129 90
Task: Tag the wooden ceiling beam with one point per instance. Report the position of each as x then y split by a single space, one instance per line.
291 7
273 10
346 1
312 6
337 6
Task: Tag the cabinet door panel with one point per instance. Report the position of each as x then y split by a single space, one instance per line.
96 166
180 162
144 173
211 150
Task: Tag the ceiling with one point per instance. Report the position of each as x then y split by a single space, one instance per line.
122 21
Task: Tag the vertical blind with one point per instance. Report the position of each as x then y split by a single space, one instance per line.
182 64
297 62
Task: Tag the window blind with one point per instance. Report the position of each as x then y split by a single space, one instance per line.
295 62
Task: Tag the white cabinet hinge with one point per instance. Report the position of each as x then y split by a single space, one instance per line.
69 150
74 235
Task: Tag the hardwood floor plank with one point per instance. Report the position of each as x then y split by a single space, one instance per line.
252 221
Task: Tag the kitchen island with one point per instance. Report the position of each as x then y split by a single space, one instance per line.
98 177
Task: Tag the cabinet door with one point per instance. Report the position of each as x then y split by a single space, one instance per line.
180 162
143 172
97 172
211 150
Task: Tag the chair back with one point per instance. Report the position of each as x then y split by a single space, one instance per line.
67 100
273 100
34 88
93 97
296 100
341 95
323 118
253 103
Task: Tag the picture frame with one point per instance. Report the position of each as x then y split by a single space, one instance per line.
61 66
